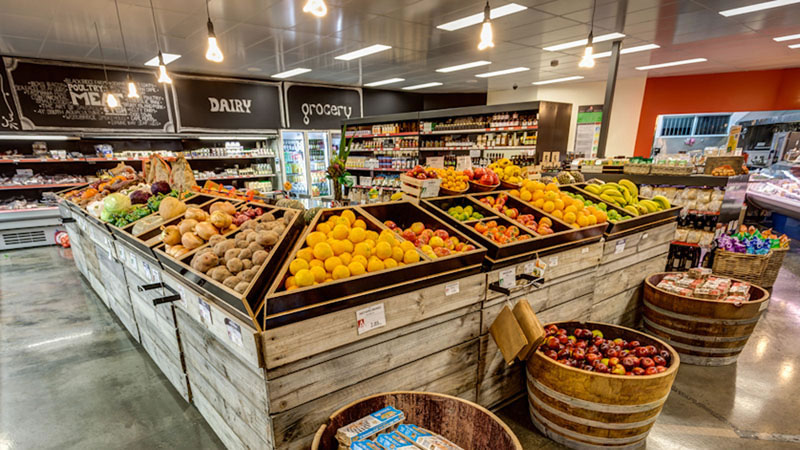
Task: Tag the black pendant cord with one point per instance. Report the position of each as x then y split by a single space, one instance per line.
155 26
208 13
122 35
102 55
591 27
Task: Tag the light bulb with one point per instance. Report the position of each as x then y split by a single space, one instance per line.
213 53
316 7
587 62
132 91
486 36
162 74
111 100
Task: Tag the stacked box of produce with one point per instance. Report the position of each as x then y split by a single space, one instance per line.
555 202
509 174
367 252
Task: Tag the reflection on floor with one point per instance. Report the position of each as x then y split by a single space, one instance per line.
70 377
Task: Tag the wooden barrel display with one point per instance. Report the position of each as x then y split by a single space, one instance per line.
590 410
704 332
466 424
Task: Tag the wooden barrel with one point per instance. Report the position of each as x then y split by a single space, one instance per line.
590 410
704 332
466 424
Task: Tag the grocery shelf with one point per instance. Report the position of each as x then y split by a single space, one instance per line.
26 210
478 130
39 186
237 177
386 188
380 135
119 159
395 149
510 147
675 180
376 170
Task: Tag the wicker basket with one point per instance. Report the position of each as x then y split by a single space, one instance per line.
636 169
743 266
773 267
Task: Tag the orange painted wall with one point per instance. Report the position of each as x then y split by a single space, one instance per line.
762 90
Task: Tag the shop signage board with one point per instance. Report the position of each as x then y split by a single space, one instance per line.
67 96
587 130
316 107
9 120
209 104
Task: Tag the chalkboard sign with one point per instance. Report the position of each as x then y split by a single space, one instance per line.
61 96
312 107
9 121
219 104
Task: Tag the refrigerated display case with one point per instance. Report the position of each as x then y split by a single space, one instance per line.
294 161
319 155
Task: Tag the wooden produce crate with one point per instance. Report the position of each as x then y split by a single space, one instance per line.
286 306
247 304
736 162
116 287
615 229
414 189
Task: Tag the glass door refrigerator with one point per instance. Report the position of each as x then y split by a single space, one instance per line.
318 160
293 155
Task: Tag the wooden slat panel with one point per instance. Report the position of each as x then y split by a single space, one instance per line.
172 369
658 235
612 283
299 340
613 309
217 423
497 381
571 261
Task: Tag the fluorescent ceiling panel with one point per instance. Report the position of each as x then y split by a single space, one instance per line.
168 58
583 42
463 66
673 63
384 82
625 51
502 72
372 49
475 19
790 37
757 7
422 86
291 73
558 80
794 46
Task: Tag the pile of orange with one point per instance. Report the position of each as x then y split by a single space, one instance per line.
550 199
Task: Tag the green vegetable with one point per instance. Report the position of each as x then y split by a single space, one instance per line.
116 203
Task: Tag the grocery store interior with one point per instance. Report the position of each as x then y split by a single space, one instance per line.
372 224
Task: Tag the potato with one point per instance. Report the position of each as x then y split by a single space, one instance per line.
187 225
249 225
191 241
219 273
196 214
234 265
205 250
287 218
259 257
267 238
246 253
261 227
181 252
232 281
247 275
279 229
254 247
216 239
246 264
267 217
223 247
251 236
241 287
241 244
230 254
204 262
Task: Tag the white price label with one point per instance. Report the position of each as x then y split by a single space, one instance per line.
528 267
553 261
508 278
451 288
147 274
234 331
156 275
585 250
370 318
474 153
463 162
620 247
644 236
436 162
122 256
205 312
110 248
132 260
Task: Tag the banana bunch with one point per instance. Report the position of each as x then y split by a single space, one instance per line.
625 194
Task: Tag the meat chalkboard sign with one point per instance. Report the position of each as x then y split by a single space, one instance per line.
321 107
9 121
219 104
64 96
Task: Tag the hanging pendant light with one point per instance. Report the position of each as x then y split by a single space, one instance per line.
132 91
587 61
213 53
316 7
163 77
487 37
108 96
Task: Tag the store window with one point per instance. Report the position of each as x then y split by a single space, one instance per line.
694 125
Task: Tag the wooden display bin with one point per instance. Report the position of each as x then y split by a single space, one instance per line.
286 306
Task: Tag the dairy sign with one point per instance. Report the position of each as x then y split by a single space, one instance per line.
321 107
223 104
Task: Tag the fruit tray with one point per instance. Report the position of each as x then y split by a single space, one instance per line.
250 300
284 306
616 229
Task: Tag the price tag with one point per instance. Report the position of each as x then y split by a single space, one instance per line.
437 162
122 256
584 250
234 331
132 260
147 274
205 312
463 162
475 153
620 247
370 318
553 261
110 248
156 275
451 288
508 278
644 236
528 267
25 172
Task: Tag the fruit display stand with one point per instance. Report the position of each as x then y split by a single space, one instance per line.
583 409
704 332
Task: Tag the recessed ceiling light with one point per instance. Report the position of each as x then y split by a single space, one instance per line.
790 37
757 7
625 51
168 58
463 66
794 46
557 80
363 52
502 72
673 63
291 73
475 19
421 86
583 42
384 82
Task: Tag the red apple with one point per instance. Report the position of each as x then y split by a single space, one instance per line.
661 369
651 371
409 235
659 361
552 342
601 368
442 234
391 225
441 251
637 371
647 362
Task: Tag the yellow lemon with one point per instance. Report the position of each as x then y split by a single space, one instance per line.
319 273
323 228
341 231
360 259
338 247
371 243
316 263
398 252
332 262
306 253
343 221
592 219
375 265
349 215
348 246
315 238
372 235
386 236
291 288
304 278
569 217
357 235
406 246
290 282
383 250
362 249
333 219
410 257
548 206
526 196
356 268
360 224
340 272
323 251
389 263
346 257
297 265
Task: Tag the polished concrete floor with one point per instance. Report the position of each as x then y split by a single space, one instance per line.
71 377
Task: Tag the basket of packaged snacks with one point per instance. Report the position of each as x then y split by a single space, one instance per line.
779 247
637 166
744 255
